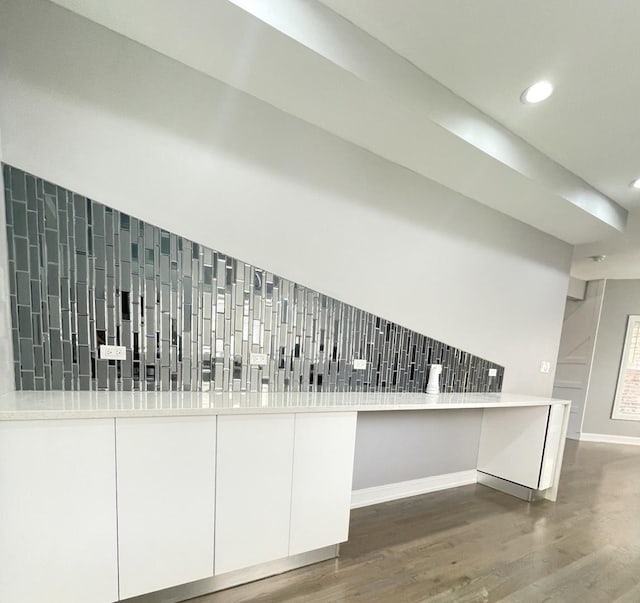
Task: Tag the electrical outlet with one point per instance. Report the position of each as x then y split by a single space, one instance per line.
258 359
359 364
545 366
493 372
113 352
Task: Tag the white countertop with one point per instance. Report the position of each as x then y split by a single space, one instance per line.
25 405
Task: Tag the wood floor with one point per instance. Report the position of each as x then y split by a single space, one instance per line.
473 544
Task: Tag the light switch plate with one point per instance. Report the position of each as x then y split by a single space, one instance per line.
113 352
545 366
258 359
359 364
493 372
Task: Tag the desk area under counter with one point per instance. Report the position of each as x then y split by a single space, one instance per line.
114 495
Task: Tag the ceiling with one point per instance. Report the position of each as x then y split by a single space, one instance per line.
434 86
488 52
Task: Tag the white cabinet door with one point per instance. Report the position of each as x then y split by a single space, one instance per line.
58 530
166 482
511 443
322 476
553 446
253 498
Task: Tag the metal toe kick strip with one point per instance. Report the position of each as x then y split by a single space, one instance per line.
231 579
504 485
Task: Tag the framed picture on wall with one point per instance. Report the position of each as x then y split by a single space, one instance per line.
626 404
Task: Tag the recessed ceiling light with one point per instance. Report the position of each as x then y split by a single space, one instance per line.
635 183
597 258
537 92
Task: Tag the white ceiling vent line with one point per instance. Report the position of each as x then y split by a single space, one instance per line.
366 94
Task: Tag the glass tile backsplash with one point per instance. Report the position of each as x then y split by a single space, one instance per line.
83 274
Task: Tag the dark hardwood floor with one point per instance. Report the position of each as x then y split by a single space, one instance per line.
473 544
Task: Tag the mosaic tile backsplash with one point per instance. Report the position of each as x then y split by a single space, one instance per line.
83 274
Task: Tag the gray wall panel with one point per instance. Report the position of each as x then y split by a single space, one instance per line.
400 446
621 298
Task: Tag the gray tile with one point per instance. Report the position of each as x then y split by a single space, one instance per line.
17 185
32 227
83 330
21 253
56 344
84 361
15 340
98 220
51 238
38 357
13 302
98 260
35 262
80 235
8 213
100 315
79 206
54 313
23 288
53 280
16 375
50 212
26 354
24 322
28 380
56 375
81 268
102 367
82 299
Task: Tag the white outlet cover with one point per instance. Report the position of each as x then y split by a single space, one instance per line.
258 359
359 364
493 372
545 366
113 352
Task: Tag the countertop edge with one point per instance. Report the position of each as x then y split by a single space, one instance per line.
115 413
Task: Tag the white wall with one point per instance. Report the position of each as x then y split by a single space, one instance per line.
103 116
577 289
7 382
621 298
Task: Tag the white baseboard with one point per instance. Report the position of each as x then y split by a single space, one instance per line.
379 494
606 438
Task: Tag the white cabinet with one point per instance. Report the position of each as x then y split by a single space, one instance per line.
283 486
255 457
322 476
553 447
512 443
58 529
166 483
